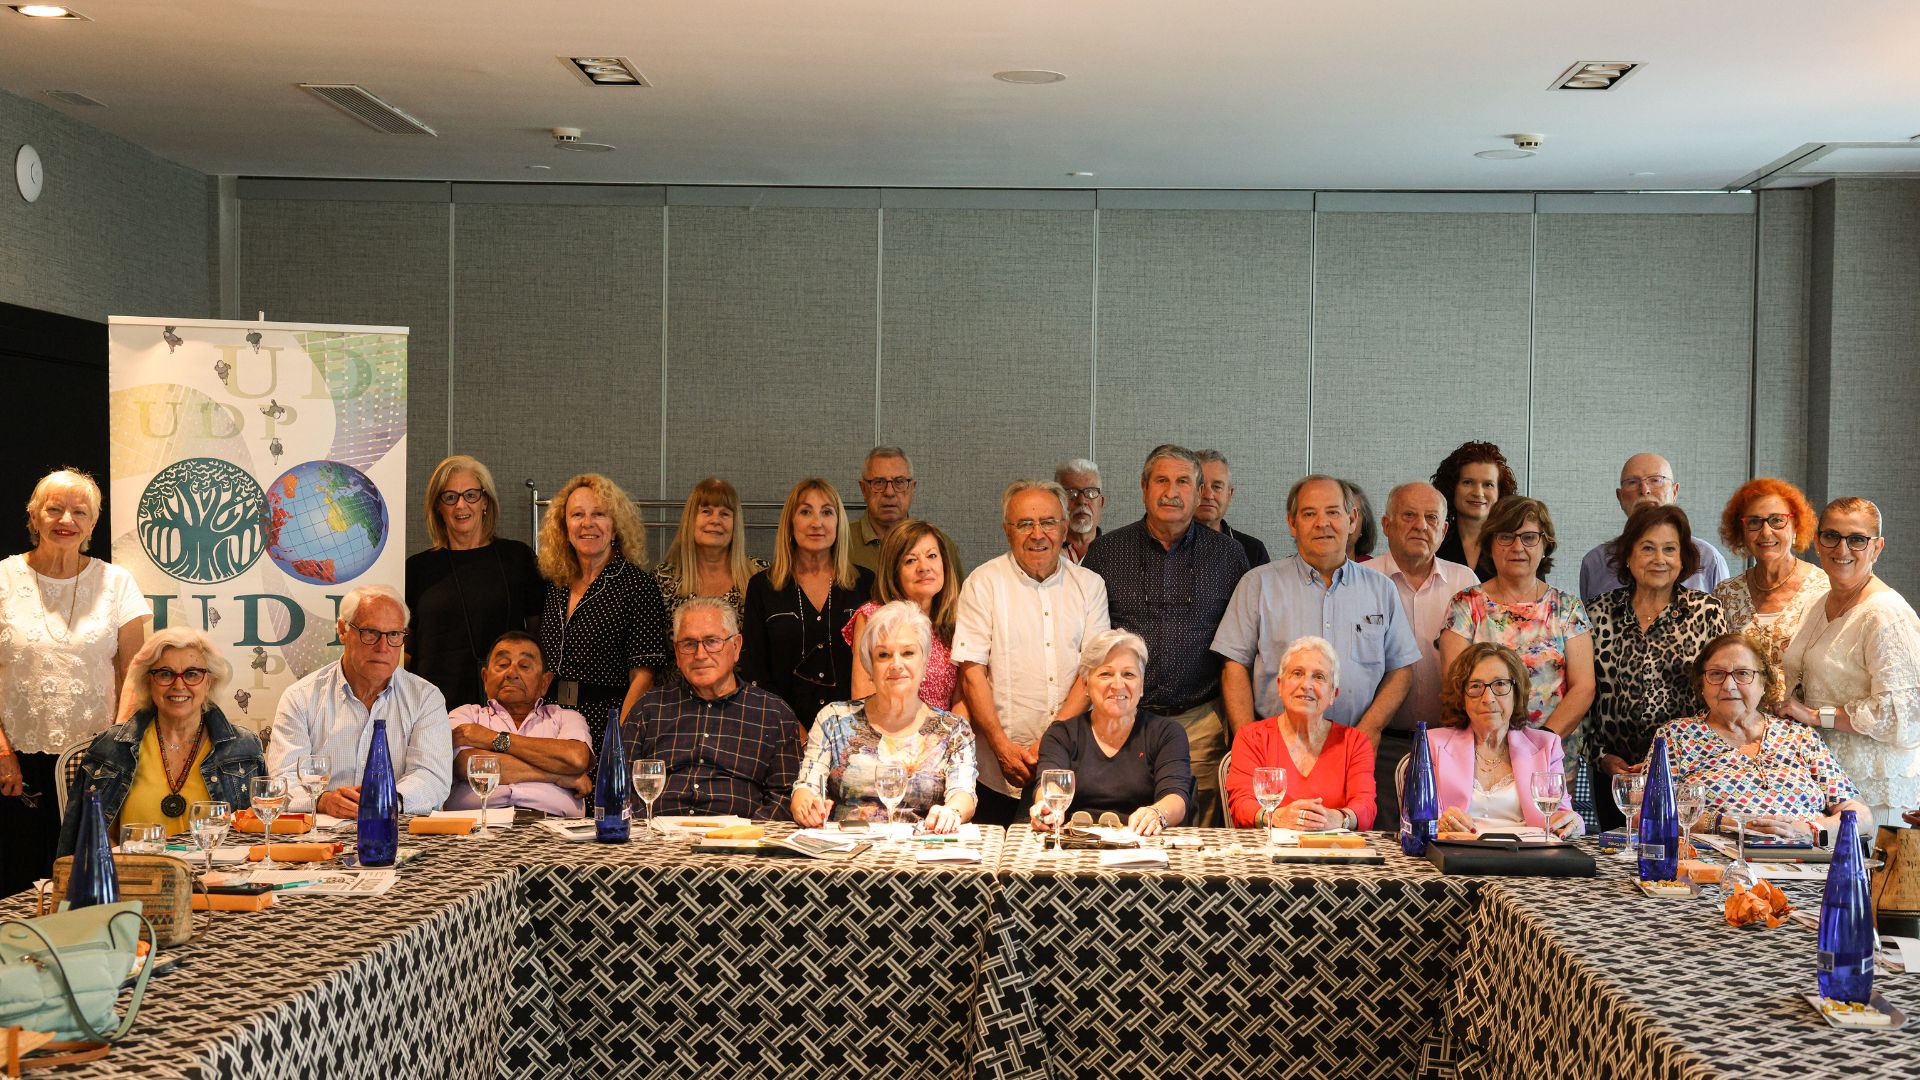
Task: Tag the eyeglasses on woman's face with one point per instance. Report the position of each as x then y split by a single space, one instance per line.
1855 541
165 676
1500 687
470 496
1718 676
1771 521
1529 539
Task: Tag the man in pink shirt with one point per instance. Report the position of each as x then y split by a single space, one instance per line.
543 751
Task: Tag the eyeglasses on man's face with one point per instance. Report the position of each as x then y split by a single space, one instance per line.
689 646
165 676
369 636
1090 494
1644 483
470 496
1045 524
1855 541
889 483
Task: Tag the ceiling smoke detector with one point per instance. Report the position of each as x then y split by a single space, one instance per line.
1524 146
568 138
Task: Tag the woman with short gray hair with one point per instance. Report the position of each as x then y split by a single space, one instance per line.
1328 766
1125 762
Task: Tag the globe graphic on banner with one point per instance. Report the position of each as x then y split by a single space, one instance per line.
325 522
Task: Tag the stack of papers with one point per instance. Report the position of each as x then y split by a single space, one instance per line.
944 853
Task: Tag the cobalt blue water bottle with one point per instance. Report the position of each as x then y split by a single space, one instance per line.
379 817
610 786
1845 957
1419 801
1659 819
94 880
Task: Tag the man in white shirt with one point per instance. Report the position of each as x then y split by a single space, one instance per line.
1647 480
332 710
1023 618
1414 524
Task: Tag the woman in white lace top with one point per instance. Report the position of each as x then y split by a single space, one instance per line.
68 625
1854 664
1768 520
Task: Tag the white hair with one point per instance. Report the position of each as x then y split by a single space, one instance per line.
139 693
1310 643
718 604
1106 643
1076 465
350 603
1021 487
886 623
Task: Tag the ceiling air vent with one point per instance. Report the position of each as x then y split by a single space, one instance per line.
605 70
74 97
1594 74
365 106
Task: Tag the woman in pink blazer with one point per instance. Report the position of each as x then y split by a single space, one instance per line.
1483 767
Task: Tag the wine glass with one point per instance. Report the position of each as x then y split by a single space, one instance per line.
208 822
649 780
483 775
141 838
1628 790
314 772
1738 871
1689 798
1056 790
270 797
1549 790
890 785
1270 789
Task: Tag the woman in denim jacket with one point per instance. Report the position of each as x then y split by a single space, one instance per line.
177 748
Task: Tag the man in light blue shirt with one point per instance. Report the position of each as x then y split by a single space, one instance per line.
331 712
1317 591
1646 480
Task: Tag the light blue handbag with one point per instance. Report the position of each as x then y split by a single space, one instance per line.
63 972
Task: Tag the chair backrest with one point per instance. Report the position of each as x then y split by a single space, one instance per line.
66 769
1226 807
1400 776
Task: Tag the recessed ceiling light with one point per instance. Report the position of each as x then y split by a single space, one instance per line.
542 168
48 11
1080 174
1594 74
1503 155
1029 76
605 70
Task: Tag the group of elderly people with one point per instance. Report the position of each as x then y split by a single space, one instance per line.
1167 663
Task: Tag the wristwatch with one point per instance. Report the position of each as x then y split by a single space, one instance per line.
1826 714
502 742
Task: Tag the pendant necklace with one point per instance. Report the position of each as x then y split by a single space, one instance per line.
175 805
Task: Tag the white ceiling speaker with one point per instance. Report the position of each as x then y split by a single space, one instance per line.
568 138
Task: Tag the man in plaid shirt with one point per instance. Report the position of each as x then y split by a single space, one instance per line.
730 747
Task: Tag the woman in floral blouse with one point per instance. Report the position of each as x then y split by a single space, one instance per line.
1775 774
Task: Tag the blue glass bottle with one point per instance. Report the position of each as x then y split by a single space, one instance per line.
1845 957
379 817
1419 799
1659 819
610 822
94 879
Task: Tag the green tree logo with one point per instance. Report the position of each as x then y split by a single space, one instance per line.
199 520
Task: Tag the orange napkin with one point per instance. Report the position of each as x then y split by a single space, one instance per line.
233 901
1332 842
295 852
442 826
291 824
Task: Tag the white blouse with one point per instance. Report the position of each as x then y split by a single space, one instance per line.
1497 808
56 676
1867 663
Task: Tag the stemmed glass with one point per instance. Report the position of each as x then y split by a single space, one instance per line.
1689 798
1549 790
1628 790
270 797
890 786
208 822
483 775
1056 790
649 780
314 771
1270 788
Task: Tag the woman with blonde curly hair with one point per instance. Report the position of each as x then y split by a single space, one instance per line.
708 556
1767 520
604 627
796 607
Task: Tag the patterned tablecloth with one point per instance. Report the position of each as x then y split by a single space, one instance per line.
1589 978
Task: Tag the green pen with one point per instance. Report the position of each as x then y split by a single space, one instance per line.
293 884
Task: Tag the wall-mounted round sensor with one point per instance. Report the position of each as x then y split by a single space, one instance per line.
27 173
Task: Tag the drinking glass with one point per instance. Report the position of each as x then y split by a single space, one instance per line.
142 838
483 775
1549 790
1270 788
1738 872
890 785
649 780
208 822
1056 790
1689 798
314 772
270 797
1628 790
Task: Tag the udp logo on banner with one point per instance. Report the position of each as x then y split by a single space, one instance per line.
255 472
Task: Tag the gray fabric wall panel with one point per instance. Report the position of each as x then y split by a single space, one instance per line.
378 264
1780 407
771 348
1875 341
116 231
557 354
1203 342
1420 331
1642 343
986 369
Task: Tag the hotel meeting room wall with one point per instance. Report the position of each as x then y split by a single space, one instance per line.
994 333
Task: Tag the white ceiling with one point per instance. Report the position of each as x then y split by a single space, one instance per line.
1393 94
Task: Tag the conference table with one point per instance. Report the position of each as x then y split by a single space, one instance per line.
530 956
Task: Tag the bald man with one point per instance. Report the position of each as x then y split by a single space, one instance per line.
1647 480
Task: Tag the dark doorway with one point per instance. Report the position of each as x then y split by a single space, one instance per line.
54 370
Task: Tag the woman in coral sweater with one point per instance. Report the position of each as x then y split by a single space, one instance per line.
1329 767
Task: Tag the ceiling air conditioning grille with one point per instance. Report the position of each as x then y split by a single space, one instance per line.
365 106
74 97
